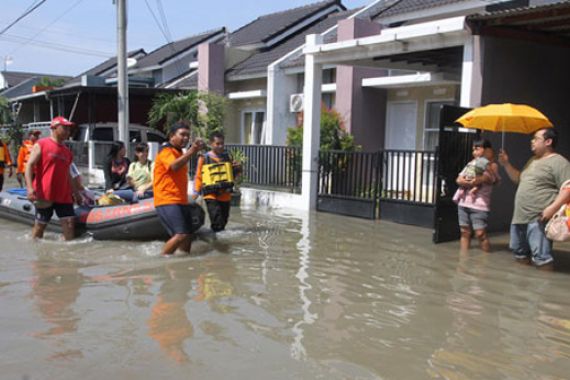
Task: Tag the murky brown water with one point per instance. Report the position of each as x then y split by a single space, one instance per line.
279 296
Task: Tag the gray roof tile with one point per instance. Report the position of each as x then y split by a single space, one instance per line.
268 26
404 6
258 62
25 87
172 49
12 78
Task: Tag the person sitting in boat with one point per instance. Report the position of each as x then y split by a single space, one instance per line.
5 162
115 167
139 176
24 155
217 195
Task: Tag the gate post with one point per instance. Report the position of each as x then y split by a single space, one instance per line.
311 124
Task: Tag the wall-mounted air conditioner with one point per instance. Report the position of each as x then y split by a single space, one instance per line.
296 103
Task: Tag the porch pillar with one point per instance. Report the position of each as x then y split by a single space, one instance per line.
311 124
471 73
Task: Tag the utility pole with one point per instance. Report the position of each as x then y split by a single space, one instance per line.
122 75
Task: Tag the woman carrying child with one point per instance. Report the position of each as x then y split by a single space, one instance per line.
473 197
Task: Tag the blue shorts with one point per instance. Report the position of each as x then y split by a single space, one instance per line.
180 219
529 241
469 217
62 210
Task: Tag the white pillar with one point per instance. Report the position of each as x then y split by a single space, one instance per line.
471 73
153 148
91 156
311 124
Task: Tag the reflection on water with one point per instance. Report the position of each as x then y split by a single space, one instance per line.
280 296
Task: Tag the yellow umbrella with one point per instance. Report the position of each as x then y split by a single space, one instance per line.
506 117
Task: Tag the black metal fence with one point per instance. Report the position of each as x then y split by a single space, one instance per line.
270 166
370 184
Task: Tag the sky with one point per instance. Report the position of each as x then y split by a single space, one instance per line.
68 37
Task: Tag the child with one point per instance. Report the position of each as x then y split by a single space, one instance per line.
474 168
217 203
474 195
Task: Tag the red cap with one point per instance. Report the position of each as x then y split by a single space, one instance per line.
60 120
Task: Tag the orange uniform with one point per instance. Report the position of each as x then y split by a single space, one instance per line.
223 196
5 159
170 187
24 155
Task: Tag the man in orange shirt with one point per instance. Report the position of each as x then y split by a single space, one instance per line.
5 161
24 155
170 188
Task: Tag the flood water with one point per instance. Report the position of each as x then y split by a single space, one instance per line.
279 296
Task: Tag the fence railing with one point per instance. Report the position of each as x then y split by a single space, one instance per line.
388 175
408 176
270 166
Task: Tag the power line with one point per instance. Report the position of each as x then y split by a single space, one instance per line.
56 46
27 12
47 26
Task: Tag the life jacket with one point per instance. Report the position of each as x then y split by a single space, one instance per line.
217 176
3 155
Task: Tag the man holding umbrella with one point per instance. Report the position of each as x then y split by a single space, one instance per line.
538 197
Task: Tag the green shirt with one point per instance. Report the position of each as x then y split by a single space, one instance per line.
141 175
539 184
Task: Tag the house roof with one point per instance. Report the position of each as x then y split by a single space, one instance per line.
186 81
171 50
405 6
109 64
266 27
13 78
258 63
25 87
541 23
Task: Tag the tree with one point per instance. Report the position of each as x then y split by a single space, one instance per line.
5 114
50 82
205 111
333 134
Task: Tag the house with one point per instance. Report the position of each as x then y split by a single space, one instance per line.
510 51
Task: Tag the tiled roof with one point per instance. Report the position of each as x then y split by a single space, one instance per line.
25 87
258 63
175 48
266 27
404 6
103 66
13 78
189 82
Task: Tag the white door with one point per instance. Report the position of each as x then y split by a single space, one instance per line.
401 124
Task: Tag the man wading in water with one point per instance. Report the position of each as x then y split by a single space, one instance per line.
48 181
170 188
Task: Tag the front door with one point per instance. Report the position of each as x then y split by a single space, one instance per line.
453 152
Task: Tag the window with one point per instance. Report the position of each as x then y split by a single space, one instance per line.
431 130
135 136
102 134
154 137
253 127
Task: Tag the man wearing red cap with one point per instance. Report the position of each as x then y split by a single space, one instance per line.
24 155
48 181
5 162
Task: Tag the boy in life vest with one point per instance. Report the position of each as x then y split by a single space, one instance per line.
217 195
5 162
24 155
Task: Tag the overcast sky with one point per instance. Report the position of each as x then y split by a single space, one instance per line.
70 36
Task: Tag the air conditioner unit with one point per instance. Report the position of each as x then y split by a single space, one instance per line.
296 103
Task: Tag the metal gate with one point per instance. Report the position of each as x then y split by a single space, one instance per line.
453 152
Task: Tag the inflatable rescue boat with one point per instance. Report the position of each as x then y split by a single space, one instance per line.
136 221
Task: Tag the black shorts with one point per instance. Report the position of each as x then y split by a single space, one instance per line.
62 210
180 219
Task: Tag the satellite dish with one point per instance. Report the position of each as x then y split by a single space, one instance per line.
131 62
